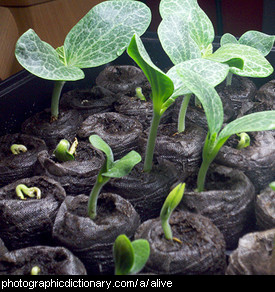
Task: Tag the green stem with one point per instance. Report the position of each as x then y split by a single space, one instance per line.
92 203
182 113
229 79
167 229
202 174
151 142
58 85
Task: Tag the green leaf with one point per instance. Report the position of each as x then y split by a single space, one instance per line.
123 255
255 64
168 7
258 40
162 86
141 254
212 72
186 32
105 32
99 37
42 60
100 144
175 38
208 97
260 121
123 166
228 38
172 201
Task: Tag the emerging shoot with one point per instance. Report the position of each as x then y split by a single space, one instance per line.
130 257
109 169
171 202
18 148
272 185
35 270
244 140
64 151
22 190
139 93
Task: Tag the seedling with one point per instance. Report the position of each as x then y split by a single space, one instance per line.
186 33
167 87
109 169
64 151
99 37
35 270
130 257
18 148
216 137
244 140
22 190
171 202
272 185
139 94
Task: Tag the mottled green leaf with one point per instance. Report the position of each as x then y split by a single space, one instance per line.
258 40
42 60
186 28
105 32
255 64
208 97
260 121
228 38
212 72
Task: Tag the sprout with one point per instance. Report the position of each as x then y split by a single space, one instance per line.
272 185
22 190
35 270
139 93
64 152
130 257
244 140
171 202
18 148
216 136
109 169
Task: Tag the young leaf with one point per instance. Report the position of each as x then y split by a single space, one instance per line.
123 255
272 185
141 254
105 32
100 144
228 38
186 32
99 37
255 64
124 165
162 86
258 40
207 95
212 72
260 121
171 202
42 60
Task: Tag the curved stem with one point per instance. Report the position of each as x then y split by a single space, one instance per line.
151 142
22 189
18 148
92 203
167 229
182 112
58 85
